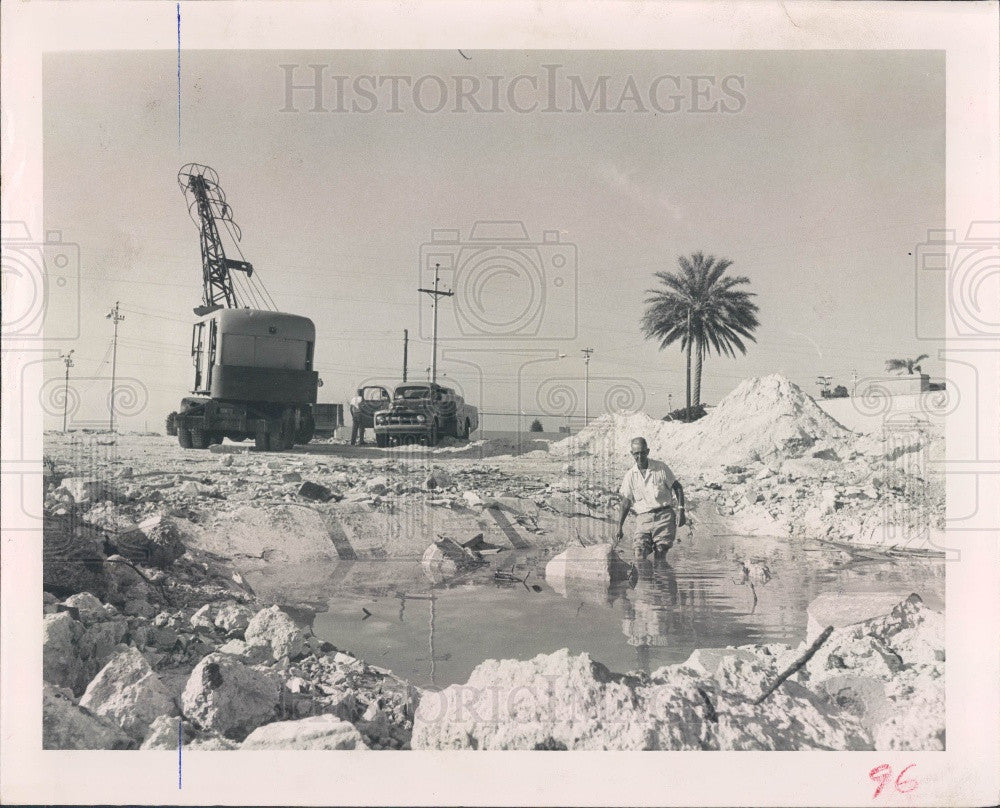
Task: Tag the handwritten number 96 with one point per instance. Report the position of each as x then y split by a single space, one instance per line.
882 775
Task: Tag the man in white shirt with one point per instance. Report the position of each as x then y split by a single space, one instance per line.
652 490
357 425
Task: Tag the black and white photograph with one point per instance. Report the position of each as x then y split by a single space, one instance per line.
441 393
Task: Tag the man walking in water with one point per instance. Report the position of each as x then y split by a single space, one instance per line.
651 488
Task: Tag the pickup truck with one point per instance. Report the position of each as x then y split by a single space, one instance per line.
374 397
424 412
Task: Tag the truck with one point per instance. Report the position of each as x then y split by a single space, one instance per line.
374 397
253 365
253 380
424 413
328 418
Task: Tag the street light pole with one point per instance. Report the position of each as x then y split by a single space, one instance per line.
586 386
116 318
435 293
68 360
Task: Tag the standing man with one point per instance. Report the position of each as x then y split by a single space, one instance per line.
651 488
357 424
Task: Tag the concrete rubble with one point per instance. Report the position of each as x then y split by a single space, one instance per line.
868 687
175 582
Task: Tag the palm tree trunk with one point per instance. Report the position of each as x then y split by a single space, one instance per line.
699 361
687 396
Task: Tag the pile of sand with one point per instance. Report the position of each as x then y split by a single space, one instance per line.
764 417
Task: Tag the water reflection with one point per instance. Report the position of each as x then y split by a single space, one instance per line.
651 608
711 593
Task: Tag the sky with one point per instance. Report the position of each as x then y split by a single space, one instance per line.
816 172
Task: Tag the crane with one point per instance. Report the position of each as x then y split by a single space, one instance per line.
208 209
254 376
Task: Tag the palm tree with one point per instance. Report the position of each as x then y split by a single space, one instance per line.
702 308
909 365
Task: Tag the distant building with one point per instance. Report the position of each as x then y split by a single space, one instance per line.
896 385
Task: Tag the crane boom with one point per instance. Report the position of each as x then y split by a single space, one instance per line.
207 206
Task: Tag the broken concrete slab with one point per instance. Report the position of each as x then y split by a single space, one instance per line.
707 660
155 542
598 562
315 732
66 726
272 627
444 559
226 696
83 490
128 692
60 663
840 609
472 499
229 617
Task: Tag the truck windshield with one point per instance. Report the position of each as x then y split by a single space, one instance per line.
412 393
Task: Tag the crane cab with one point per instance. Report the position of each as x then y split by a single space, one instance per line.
252 355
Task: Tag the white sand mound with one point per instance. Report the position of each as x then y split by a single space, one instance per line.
762 418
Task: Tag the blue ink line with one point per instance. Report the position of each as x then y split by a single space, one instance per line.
178 75
180 742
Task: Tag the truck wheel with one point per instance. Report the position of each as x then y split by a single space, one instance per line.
307 428
217 437
200 439
184 438
262 440
285 438
382 441
432 436
466 430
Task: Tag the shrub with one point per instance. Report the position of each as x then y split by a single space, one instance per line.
536 426
686 414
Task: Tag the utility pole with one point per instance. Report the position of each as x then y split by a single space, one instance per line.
116 318
406 343
670 402
434 293
586 386
854 382
68 360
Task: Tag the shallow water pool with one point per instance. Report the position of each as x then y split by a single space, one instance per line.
434 633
